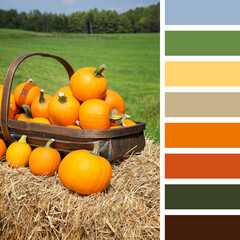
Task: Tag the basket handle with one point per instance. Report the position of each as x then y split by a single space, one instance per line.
8 85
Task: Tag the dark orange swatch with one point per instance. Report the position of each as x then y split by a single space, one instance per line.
202 135
202 166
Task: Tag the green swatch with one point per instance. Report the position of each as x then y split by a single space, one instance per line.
202 196
200 43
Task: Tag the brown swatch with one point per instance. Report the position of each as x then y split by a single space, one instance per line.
202 227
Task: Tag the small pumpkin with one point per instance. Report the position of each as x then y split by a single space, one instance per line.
115 102
85 172
40 120
44 160
39 106
96 114
63 110
25 93
2 148
17 154
89 83
65 90
125 122
74 126
14 106
114 125
26 116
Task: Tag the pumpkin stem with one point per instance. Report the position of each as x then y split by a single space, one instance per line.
27 111
99 70
23 138
41 97
118 117
61 97
121 121
96 149
30 80
49 142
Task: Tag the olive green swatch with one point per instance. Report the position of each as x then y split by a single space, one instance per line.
199 43
202 104
202 196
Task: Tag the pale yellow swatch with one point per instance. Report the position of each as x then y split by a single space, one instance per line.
202 73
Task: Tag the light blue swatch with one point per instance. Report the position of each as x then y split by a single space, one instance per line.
202 12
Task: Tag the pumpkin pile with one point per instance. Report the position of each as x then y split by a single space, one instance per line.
85 104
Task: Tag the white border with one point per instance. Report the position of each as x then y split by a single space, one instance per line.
162 121
202 27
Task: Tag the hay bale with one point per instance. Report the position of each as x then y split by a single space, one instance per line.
33 207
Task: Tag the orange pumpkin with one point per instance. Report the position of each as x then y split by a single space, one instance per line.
44 160
63 110
89 83
13 105
85 172
114 125
115 102
74 126
128 123
94 114
65 90
40 120
17 154
26 116
39 106
2 148
25 93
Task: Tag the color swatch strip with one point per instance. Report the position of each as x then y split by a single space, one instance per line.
202 73
202 12
202 196
202 43
202 104
202 135
204 227
202 166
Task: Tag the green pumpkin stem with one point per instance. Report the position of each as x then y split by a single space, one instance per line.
41 97
62 98
96 149
99 70
118 117
121 121
23 139
49 142
27 111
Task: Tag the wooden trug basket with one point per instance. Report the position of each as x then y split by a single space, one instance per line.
114 143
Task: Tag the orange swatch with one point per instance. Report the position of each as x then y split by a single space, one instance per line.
202 166
202 135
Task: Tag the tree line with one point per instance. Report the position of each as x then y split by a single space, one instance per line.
139 20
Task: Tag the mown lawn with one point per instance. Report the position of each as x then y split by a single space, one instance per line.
132 60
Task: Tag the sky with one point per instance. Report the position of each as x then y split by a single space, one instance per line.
70 6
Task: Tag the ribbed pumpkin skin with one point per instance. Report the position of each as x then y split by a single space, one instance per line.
65 90
44 161
25 93
17 154
129 123
94 114
2 148
63 114
84 172
21 117
115 102
40 109
84 85
40 120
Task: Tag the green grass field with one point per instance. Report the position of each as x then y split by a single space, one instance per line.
132 60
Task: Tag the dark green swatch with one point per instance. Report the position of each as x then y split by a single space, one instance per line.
199 43
202 227
202 196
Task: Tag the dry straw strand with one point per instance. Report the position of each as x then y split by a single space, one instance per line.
40 207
